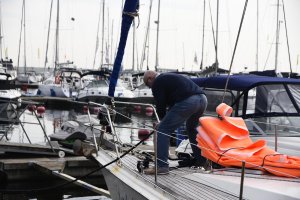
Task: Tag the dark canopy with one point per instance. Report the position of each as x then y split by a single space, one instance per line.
241 82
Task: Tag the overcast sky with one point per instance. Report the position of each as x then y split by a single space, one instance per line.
180 36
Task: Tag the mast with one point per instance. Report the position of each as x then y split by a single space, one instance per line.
47 44
102 45
20 38
111 42
129 12
133 44
25 70
146 37
257 37
212 30
148 50
183 53
108 40
157 35
119 32
97 37
277 37
57 40
203 26
287 39
1 37
217 33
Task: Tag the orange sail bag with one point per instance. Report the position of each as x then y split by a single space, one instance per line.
226 141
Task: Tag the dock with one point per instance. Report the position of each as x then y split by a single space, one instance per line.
26 148
51 171
53 102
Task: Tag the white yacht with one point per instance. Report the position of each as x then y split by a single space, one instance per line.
7 67
66 83
97 91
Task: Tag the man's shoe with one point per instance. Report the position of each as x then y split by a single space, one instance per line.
160 170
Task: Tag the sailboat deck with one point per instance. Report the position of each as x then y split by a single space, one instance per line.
177 184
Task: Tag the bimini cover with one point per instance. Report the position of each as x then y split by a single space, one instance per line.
226 141
241 82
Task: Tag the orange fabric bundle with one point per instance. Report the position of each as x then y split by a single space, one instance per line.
226 141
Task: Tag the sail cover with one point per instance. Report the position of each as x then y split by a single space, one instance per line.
129 12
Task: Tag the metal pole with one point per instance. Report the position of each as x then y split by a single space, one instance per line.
157 34
48 34
44 131
276 135
203 27
102 40
242 180
56 41
24 22
155 154
277 37
25 133
217 34
257 37
92 129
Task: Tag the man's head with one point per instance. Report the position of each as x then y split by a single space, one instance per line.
149 78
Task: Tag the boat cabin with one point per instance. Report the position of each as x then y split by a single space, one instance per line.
264 100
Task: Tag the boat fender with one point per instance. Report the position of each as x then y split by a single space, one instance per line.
40 111
31 108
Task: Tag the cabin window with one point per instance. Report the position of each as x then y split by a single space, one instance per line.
268 99
214 98
251 101
295 90
273 99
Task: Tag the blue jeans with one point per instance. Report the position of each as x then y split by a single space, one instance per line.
188 110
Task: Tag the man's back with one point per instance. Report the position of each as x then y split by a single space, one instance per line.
169 88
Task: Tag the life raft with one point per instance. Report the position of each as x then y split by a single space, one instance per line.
225 140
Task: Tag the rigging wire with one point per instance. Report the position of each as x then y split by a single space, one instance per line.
48 34
269 53
97 37
235 47
146 37
203 27
287 40
212 27
20 39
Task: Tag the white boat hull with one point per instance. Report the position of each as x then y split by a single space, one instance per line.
27 79
55 90
123 185
9 94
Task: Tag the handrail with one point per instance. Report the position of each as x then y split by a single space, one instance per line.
155 133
